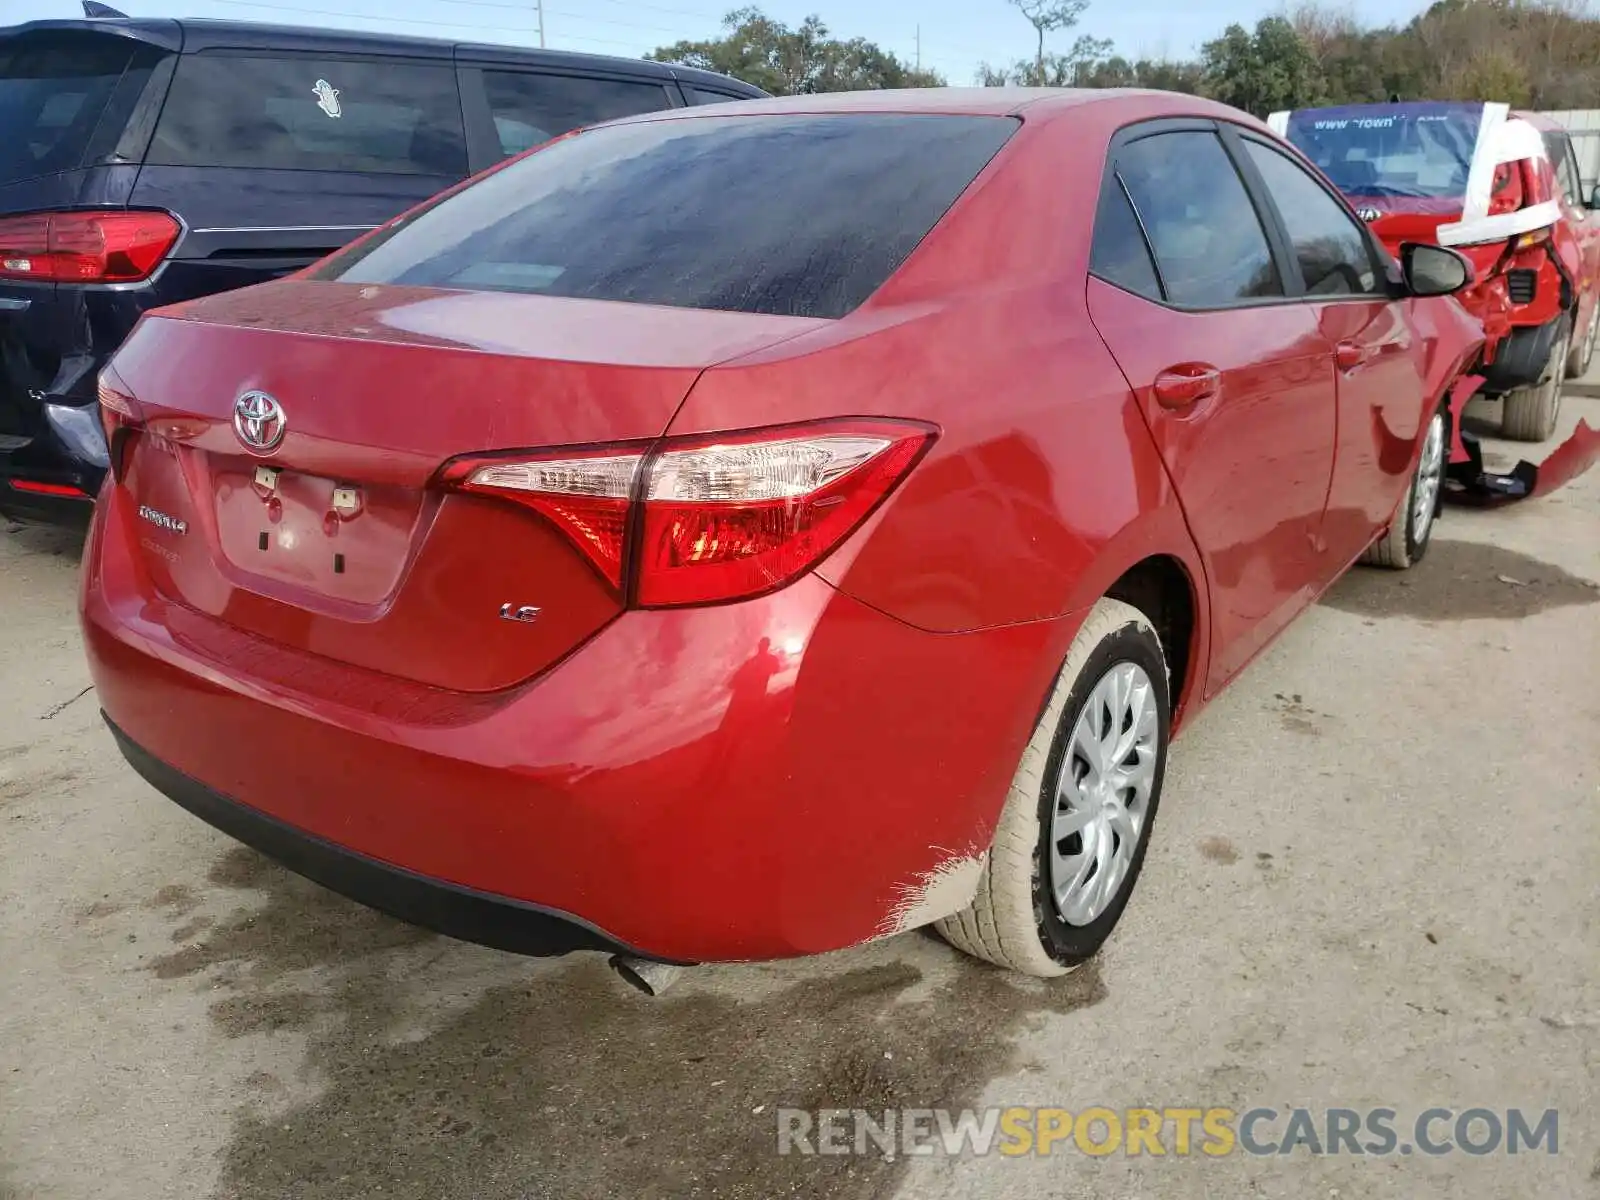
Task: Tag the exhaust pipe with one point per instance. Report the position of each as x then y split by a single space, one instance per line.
651 978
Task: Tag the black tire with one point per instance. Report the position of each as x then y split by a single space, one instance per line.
1013 921
1581 357
1530 414
1406 542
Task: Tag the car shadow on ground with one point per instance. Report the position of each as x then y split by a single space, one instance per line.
1460 581
442 1070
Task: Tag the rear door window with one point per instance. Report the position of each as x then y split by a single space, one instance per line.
1207 238
53 92
798 215
531 108
312 114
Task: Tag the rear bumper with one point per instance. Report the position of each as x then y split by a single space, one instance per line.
456 911
779 777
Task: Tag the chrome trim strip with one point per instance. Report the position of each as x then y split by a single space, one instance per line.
285 229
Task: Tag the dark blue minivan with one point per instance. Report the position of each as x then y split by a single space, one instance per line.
144 162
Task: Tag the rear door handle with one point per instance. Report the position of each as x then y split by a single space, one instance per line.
1186 385
1349 355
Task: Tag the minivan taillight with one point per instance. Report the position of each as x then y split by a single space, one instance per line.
86 247
721 517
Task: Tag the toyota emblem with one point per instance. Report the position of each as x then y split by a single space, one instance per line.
259 421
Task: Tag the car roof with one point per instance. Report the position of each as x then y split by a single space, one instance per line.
1038 104
193 34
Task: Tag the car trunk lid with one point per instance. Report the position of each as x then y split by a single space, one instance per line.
336 539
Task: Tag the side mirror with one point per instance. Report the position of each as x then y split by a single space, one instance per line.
1433 270
1594 198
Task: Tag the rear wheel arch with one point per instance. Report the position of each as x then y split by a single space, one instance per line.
1162 588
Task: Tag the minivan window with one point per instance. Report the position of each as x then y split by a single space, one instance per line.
53 92
799 215
530 108
1206 235
312 114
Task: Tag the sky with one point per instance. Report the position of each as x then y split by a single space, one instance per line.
956 35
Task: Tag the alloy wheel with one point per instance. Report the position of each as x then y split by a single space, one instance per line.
1430 475
1103 794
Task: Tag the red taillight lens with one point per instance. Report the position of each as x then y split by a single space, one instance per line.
724 517
1506 195
741 515
85 247
119 412
585 495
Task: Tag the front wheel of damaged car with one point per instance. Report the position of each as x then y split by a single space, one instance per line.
1406 541
1071 838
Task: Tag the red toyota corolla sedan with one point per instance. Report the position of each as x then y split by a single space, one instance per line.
756 529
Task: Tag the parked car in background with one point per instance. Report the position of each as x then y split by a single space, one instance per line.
144 162
745 532
1503 188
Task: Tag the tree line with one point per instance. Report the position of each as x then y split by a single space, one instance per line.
1542 54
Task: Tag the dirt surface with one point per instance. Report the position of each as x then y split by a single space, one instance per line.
1374 883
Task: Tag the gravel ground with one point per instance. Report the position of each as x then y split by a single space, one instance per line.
1374 883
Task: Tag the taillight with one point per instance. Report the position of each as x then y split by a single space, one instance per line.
86 247
1506 195
731 517
119 413
722 517
584 495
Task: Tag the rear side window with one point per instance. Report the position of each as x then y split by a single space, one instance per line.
1560 152
1121 255
530 108
1328 243
53 92
1207 238
799 215
310 114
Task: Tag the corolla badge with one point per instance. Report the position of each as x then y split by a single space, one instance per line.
163 521
328 98
1368 214
259 421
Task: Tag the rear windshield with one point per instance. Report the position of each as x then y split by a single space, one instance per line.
53 92
1411 150
312 114
791 215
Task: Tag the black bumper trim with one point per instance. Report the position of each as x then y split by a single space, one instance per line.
471 916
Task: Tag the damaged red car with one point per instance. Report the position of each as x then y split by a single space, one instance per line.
753 530
1501 186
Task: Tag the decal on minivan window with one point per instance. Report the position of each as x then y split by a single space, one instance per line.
328 98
